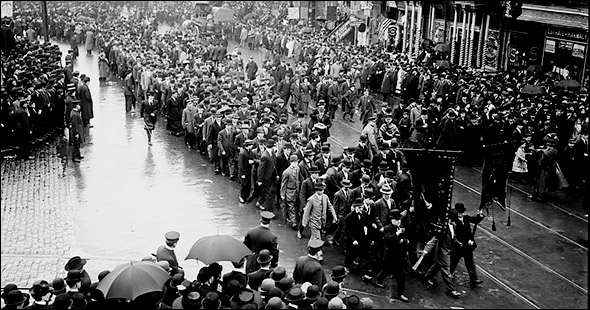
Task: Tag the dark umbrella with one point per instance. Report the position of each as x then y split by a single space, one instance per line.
320 18
568 84
132 280
553 74
533 89
534 68
442 47
218 248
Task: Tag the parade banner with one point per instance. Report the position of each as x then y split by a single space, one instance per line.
432 174
497 163
7 7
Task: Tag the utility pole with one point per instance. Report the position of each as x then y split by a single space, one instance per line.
45 20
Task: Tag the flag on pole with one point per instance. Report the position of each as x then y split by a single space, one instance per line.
384 27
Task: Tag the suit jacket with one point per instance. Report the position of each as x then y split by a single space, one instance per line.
381 211
342 203
321 164
310 270
463 230
266 169
213 131
225 142
305 192
258 239
290 184
244 167
255 278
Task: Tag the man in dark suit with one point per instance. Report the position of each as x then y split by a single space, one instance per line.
260 238
395 255
308 268
464 242
342 205
267 175
325 161
166 252
255 278
213 146
357 236
225 144
198 121
236 274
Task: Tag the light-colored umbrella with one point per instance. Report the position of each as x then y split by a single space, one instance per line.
533 89
132 280
218 248
568 84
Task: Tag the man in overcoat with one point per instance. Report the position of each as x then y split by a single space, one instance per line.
260 238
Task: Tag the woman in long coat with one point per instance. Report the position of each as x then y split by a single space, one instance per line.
86 102
103 67
89 41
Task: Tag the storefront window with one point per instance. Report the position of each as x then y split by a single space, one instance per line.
565 53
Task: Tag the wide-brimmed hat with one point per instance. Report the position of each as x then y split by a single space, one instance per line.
75 263
264 257
366 179
386 189
346 183
211 301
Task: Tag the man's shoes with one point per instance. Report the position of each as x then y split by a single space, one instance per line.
379 284
259 206
242 200
367 278
76 160
454 294
403 298
476 283
299 235
351 120
80 157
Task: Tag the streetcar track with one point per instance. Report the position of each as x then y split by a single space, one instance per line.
472 189
545 202
507 287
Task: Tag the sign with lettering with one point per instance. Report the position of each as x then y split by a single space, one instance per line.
567 34
342 31
7 8
550 46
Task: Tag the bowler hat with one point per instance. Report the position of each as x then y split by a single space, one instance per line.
353 302
74 276
366 163
58 286
211 301
15 298
319 186
366 179
285 284
347 162
62 301
275 303
460 207
314 169
75 263
395 214
7 289
331 289
78 301
267 285
338 273
295 295
278 273
313 293
264 257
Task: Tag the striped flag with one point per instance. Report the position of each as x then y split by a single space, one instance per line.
384 27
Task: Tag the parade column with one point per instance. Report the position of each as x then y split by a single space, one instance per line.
454 34
478 61
431 30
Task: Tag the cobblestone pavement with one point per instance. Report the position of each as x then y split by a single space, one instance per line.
36 230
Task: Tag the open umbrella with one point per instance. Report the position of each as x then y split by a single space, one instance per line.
218 248
532 89
442 47
534 69
568 84
553 74
306 30
132 280
321 18
301 23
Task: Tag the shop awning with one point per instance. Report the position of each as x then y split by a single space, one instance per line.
553 16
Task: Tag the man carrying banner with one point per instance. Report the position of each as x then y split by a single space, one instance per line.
464 243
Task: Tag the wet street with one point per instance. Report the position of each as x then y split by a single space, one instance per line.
117 203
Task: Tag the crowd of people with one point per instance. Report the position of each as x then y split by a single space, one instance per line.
268 129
